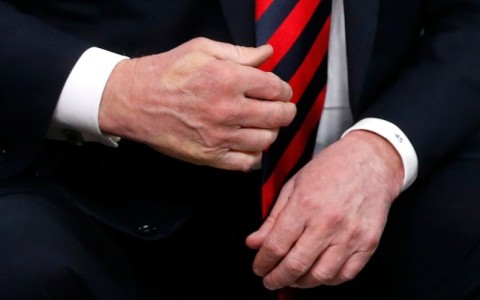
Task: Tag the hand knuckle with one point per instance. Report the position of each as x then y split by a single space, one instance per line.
240 51
346 276
333 219
275 248
222 113
214 138
226 75
199 42
323 275
371 241
297 266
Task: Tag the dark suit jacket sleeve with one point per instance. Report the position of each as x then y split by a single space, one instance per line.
435 99
35 61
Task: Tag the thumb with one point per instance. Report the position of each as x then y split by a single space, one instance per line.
248 56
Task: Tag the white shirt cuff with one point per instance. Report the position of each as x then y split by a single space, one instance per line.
79 103
399 141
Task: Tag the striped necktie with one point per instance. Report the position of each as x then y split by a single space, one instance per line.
298 30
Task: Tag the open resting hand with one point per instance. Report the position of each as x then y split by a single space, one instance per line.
328 220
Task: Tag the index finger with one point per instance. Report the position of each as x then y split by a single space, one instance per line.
278 236
248 56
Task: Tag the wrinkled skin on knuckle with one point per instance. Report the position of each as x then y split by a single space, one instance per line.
226 113
323 275
276 248
296 266
213 138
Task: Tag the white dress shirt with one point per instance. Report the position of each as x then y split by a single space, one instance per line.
79 102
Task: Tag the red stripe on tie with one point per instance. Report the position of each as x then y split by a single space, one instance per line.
286 35
261 7
291 155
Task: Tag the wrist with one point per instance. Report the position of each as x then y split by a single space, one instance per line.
393 134
112 105
384 157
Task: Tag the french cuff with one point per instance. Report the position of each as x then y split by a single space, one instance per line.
79 103
399 141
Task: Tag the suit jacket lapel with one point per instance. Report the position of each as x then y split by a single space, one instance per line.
240 16
361 25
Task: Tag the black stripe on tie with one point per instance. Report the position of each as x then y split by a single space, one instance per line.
287 67
272 18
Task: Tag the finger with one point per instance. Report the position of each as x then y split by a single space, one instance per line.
263 114
286 230
252 139
266 86
255 83
256 239
326 268
237 161
298 261
276 245
248 56
352 267
258 84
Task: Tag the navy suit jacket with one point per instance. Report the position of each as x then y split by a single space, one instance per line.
414 63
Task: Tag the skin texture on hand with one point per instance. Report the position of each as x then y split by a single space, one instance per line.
328 219
204 102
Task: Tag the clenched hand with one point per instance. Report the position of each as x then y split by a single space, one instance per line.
204 102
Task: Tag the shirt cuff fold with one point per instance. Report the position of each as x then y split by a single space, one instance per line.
79 103
399 141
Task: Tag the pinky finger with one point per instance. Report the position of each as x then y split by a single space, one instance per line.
352 267
252 139
238 161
